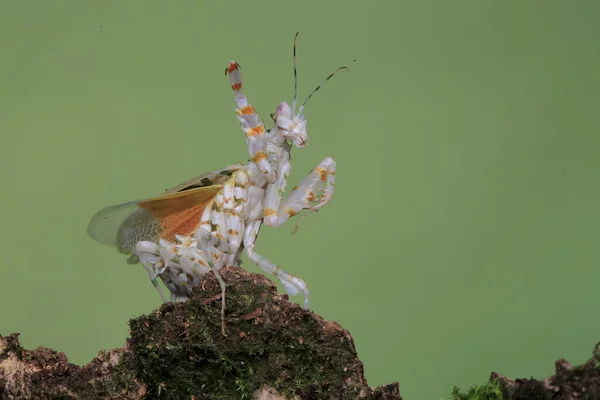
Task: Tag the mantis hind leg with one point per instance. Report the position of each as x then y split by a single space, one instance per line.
216 260
293 285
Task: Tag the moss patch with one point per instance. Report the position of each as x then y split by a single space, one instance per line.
179 350
489 391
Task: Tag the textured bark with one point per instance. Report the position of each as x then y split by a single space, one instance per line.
274 350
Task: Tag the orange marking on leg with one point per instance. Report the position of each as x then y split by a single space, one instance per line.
311 197
218 235
261 155
322 172
232 67
257 130
236 86
246 110
290 212
269 211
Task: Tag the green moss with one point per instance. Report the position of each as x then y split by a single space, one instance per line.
489 391
179 350
122 377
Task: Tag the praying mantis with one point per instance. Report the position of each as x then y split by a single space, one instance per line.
206 223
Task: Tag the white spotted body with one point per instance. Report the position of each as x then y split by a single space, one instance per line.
236 201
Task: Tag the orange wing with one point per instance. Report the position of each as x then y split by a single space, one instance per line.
179 213
164 217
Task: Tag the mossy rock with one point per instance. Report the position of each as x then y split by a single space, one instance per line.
274 349
180 351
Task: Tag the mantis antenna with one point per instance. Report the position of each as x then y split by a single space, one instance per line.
294 103
295 75
322 83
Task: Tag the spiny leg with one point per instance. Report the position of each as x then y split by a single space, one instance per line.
293 285
253 127
312 193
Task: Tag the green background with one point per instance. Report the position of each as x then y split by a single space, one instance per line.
463 234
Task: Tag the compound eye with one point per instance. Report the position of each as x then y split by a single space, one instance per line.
284 110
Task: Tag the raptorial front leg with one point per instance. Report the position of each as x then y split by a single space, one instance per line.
293 285
311 194
253 127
